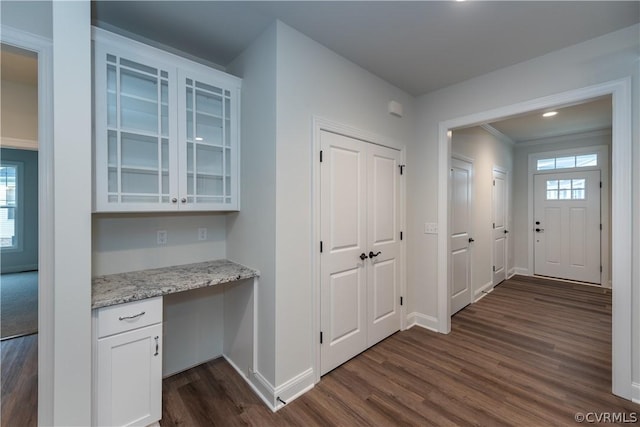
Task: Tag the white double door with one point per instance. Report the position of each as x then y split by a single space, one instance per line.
361 250
567 225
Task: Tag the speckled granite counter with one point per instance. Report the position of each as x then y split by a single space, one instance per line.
136 285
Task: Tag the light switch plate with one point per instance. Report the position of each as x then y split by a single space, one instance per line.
431 228
162 237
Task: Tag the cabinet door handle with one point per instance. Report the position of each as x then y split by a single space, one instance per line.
174 200
131 317
157 345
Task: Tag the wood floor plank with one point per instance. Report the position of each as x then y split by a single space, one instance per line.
531 353
19 381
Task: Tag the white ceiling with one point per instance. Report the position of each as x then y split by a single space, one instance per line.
418 46
590 116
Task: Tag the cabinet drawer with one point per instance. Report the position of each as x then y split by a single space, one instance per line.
132 315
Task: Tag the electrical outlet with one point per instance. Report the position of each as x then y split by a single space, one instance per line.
202 234
430 228
162 237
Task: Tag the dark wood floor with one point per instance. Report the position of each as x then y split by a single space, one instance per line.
533 352
19 381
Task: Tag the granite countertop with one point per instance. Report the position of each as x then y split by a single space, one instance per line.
136 285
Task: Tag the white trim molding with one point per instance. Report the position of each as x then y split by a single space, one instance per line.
482 291
43 47
274 397
621 211
422 320
19 144
521 271
636 392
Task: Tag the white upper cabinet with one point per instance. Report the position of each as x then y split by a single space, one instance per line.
166 131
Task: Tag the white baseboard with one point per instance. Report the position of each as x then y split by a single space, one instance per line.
482 291
635 392
519 270
289 391
294 388
422 320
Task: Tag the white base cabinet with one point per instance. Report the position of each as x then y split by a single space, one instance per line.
128 364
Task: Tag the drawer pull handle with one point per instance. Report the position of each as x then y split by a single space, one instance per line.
131 317
157 346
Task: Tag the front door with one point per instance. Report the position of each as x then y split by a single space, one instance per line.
460 257
567 225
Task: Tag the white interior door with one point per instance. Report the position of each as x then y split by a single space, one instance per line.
361 250
500 231
567 225
383 236
460 209
343 300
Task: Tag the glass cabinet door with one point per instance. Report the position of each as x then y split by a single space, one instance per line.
138 132
206 140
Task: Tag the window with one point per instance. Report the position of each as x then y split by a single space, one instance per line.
9 173
566 189
568 162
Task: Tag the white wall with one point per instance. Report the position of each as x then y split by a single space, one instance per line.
72 213
603 59
128 242
313 81
34 18
251 233
487 152
521 190
19 111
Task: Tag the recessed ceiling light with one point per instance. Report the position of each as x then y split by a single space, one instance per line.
550 114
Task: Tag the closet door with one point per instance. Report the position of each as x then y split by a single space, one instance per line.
343 234
360 259
383 237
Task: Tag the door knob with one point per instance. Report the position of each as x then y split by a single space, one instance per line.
537 222
471 240
506 231
363 256
372 255
539 230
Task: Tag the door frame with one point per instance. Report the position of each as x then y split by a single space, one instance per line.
605 203
471 189
320 124
43 47
621 208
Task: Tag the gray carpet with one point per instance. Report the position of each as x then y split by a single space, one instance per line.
18 304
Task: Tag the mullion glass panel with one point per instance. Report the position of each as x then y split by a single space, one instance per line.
565 162
586 160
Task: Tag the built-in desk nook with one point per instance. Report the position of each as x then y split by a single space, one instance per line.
145 328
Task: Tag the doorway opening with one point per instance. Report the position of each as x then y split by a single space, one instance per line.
621 213
19 193
32 355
